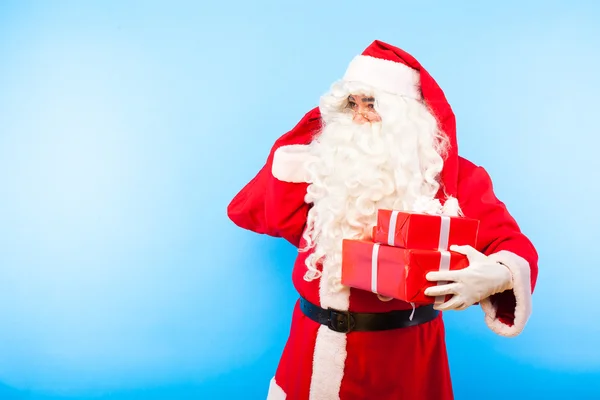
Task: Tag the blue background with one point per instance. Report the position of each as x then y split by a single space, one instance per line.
126 128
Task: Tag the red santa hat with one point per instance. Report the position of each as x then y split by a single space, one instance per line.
384 74
390 69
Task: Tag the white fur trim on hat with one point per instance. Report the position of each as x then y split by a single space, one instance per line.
275 391
388 76
521 272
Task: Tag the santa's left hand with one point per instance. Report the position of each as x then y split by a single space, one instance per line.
481 279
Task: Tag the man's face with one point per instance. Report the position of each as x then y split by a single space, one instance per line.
363 108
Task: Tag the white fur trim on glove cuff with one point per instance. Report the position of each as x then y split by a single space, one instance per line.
288 163
521 272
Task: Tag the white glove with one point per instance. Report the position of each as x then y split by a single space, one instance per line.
481 279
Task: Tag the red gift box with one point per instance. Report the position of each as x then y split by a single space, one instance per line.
394 271
424 231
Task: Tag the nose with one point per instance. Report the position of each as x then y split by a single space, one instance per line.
364 115
360 118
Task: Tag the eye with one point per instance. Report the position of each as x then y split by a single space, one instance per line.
351 104
371 106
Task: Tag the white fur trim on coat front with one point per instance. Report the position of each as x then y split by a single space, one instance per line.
521 273
275 391
329 357
388 76
288 163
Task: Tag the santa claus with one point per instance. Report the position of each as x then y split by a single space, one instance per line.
384 136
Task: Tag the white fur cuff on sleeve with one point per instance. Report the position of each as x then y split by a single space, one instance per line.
522 290
288 163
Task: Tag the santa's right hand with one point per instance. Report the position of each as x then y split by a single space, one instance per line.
289 163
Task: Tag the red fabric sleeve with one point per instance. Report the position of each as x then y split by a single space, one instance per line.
269 206
499 232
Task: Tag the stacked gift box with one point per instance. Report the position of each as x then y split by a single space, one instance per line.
404 248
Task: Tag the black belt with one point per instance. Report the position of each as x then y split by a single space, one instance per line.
345 321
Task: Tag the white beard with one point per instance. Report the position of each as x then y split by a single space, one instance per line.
358 169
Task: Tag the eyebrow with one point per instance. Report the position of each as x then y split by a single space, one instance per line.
364 99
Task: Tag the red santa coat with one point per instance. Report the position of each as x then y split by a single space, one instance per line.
411 363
